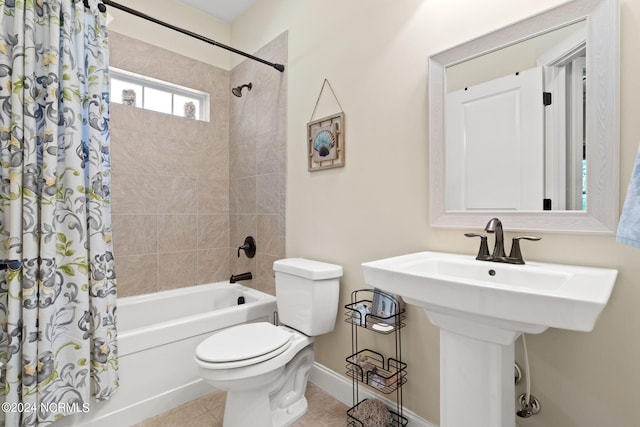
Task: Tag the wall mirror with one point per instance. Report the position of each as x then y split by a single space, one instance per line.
523 124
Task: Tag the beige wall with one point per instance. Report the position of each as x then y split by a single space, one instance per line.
374 54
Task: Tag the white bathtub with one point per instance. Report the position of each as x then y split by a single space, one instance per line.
157 337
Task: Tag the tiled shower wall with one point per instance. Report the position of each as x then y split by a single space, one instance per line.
257 163
175 209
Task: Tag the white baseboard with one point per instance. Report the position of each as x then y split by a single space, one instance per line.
340 388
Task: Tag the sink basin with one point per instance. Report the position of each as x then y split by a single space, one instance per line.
481 308
531 297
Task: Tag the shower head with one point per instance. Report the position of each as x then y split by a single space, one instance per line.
237 91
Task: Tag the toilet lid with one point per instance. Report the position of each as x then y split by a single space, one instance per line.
247 342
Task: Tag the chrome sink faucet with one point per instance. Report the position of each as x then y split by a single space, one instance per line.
495 226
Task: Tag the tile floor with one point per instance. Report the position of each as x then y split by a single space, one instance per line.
323 411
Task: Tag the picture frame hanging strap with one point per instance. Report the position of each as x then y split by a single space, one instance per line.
324 83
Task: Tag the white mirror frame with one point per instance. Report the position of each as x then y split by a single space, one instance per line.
602 117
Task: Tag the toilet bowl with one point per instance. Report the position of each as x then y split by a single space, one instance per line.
264 368
269 358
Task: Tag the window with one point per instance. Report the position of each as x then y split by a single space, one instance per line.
151 94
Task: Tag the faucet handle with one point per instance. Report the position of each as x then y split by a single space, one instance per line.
483 252
249 247
515 256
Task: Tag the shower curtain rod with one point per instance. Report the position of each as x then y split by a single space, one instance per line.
126 9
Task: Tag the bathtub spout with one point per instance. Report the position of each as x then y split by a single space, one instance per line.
242 276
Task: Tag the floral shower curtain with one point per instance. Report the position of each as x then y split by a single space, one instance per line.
57 311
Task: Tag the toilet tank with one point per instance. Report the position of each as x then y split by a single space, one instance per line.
307 294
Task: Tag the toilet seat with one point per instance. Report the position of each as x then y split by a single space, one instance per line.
244 345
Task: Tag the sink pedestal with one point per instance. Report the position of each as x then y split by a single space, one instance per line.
476 372
476 382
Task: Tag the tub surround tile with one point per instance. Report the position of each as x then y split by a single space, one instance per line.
267 195
268 230
246 195
177 232
213 231
267 153
133 193
282 219
233 197
213 158
137 274
243 225
242 114
134 55
136 234
244 264
265 280
178 194
177 269
219 147
243 159
166 171
282 129
153 194
185 192
175 156
126 117
213 195
123 159
213 265
258 122
267 117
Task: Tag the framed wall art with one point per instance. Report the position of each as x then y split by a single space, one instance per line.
326 142
325 137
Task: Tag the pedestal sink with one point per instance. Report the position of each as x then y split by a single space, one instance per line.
481 308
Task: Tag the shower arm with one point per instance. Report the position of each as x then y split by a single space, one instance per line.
126 9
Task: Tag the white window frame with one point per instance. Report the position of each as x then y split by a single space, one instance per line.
149 82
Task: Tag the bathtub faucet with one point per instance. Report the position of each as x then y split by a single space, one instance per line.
249 247
242 276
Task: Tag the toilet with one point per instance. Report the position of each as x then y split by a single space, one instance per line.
264 368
